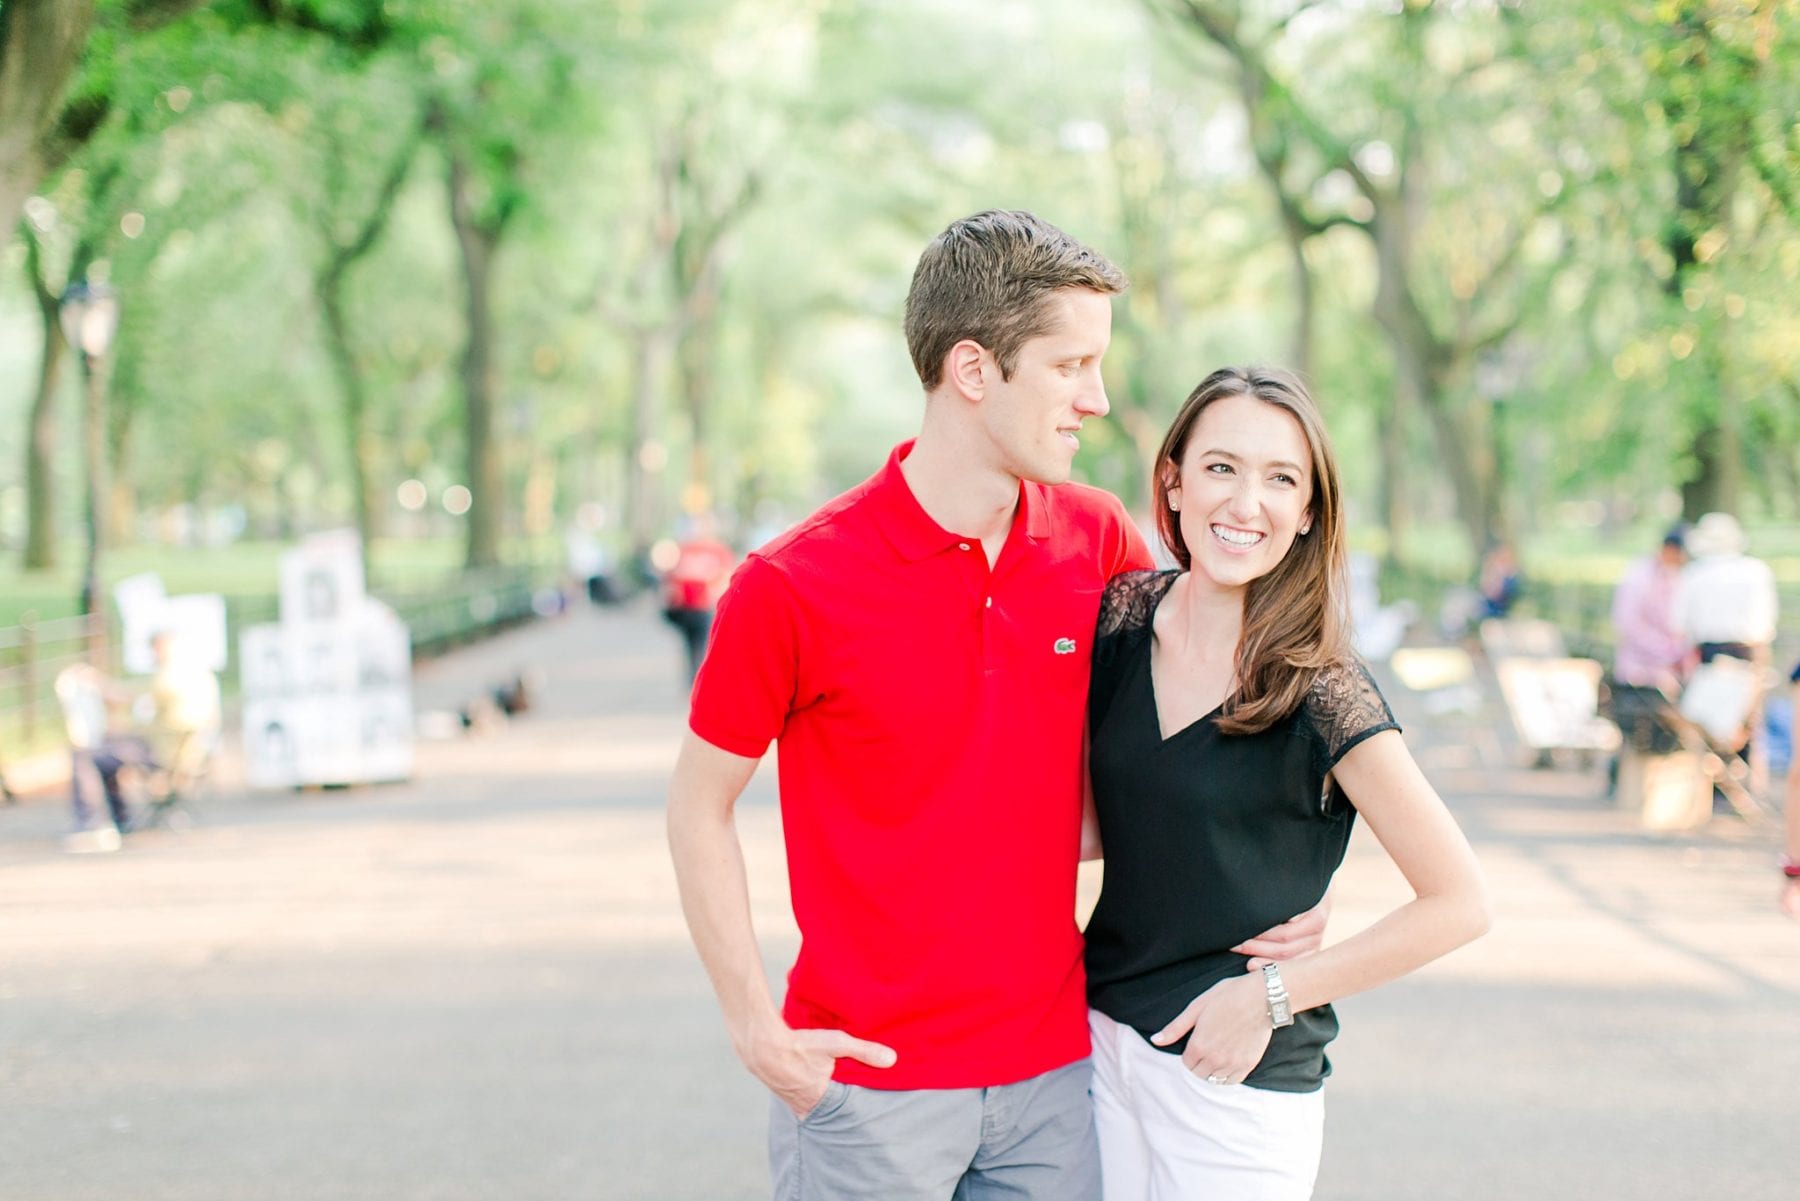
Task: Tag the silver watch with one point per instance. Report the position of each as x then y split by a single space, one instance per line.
1280 1012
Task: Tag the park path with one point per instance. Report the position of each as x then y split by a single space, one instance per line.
477 985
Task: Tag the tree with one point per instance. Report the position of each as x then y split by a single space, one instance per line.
1404 159
504 93
349 217
54 94
80 82
1714 71
41 429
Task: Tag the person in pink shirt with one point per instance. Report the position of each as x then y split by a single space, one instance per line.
1650 648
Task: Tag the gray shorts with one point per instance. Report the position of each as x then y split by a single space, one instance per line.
1030 1141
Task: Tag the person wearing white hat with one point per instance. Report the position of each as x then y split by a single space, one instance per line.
1726 606
1726 602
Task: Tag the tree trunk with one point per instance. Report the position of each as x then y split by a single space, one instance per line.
341 255
651 351
1271 160
40 43
698 382
40 460
358 440
40 438
478 243
1705 172
1713 488
1391 428
1421 369
1301 352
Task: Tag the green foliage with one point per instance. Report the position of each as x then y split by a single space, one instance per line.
1605 238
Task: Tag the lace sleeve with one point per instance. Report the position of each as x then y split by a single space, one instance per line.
1130 601
1343 708
1126 608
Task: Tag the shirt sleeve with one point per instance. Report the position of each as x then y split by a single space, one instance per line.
1345 708
1134 552
747 682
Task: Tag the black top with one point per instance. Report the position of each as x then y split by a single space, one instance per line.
1210 838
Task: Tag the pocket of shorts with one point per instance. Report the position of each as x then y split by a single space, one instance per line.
833 1100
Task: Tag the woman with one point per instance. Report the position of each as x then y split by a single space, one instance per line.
1234 737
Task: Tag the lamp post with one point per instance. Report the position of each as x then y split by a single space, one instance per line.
90 318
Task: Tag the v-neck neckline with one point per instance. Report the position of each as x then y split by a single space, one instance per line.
1162 738
1156 707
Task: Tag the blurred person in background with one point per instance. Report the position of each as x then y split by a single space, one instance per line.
1497 584
1649 647
180 724
87 697
1790 855
692 586
1725 604
1499 581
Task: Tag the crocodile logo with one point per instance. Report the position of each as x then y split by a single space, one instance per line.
1065 646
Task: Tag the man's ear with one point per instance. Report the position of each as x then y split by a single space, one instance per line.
965 369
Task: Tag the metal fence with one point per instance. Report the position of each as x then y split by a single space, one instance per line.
449 613
31 655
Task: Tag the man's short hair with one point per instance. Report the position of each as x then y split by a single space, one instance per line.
989 278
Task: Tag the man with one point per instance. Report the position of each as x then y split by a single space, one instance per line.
1649 646
692 588
183 700
1726 606
920 648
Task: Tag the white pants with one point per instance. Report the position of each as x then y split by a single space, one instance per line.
1168 1135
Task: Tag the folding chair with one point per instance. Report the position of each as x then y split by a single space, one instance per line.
170 789
1711 719
1554 704
1552 698
1700 725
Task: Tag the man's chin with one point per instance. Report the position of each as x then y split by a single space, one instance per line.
1051 471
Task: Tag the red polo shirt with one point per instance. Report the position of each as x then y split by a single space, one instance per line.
929 712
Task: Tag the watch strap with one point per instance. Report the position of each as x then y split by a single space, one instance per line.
1281 1010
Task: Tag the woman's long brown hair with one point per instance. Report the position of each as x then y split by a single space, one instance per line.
1296 619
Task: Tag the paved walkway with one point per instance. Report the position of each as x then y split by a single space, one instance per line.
477 985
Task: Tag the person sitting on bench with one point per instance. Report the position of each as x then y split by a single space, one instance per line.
183 721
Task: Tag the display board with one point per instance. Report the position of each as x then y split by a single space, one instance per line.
328 688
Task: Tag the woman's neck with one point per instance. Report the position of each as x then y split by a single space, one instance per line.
1206 623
